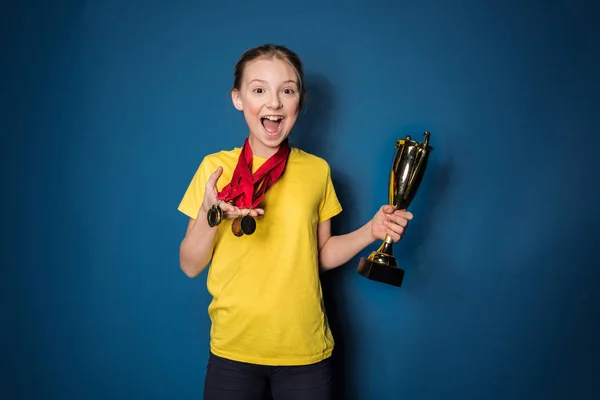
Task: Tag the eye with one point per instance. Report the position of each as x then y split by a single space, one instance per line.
258 90
288 91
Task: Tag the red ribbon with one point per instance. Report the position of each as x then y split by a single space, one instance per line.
246 190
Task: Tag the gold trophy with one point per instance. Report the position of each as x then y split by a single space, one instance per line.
406 174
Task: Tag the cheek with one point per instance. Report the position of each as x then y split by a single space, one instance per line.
252 108
292 106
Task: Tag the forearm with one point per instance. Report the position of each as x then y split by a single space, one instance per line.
338 250
197 247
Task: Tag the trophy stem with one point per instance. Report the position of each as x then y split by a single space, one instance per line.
387 247
381 265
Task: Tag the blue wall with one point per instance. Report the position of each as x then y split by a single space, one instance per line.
109 109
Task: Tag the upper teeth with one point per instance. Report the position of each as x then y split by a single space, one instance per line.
272 118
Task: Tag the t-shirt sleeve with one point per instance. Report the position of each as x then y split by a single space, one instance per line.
330 205
194 195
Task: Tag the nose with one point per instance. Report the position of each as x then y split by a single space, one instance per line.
274 101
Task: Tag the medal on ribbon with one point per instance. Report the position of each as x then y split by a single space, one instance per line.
246 190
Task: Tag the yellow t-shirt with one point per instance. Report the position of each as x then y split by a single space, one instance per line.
267 305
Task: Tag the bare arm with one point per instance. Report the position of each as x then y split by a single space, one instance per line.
335 251
338 250
197 246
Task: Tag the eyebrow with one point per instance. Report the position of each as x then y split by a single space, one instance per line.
263 81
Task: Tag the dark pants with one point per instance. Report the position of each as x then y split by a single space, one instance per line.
233 380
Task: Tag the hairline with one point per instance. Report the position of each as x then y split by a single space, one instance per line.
278 55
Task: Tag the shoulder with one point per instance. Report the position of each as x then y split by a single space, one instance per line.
220 158
223 155
308 160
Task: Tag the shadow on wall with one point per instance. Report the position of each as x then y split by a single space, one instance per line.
428 201
315 118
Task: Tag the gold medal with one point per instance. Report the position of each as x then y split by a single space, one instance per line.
214 216
245 225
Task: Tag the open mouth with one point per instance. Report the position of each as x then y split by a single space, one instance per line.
272 123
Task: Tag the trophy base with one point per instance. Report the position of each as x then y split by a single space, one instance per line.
384 272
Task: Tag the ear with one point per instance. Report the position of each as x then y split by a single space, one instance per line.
237 100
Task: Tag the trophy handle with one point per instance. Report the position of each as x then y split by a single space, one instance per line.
423 150
426 139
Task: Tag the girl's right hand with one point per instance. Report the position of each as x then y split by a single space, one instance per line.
229 211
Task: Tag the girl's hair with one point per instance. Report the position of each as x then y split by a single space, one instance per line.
270 50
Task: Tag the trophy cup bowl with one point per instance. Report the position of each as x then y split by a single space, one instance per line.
408 168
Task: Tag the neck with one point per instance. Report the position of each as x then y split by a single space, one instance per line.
259 149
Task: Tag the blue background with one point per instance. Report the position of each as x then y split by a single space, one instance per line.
108 109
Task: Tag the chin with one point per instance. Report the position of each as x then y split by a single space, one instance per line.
273 140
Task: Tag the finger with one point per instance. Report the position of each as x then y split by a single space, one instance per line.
401 214
214 177
387 209
256 212
394 235
398 220
404 214
232 214
394 227
226 207
230 211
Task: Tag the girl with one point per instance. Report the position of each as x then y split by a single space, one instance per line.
260 214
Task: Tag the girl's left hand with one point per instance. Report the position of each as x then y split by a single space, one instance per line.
391 222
